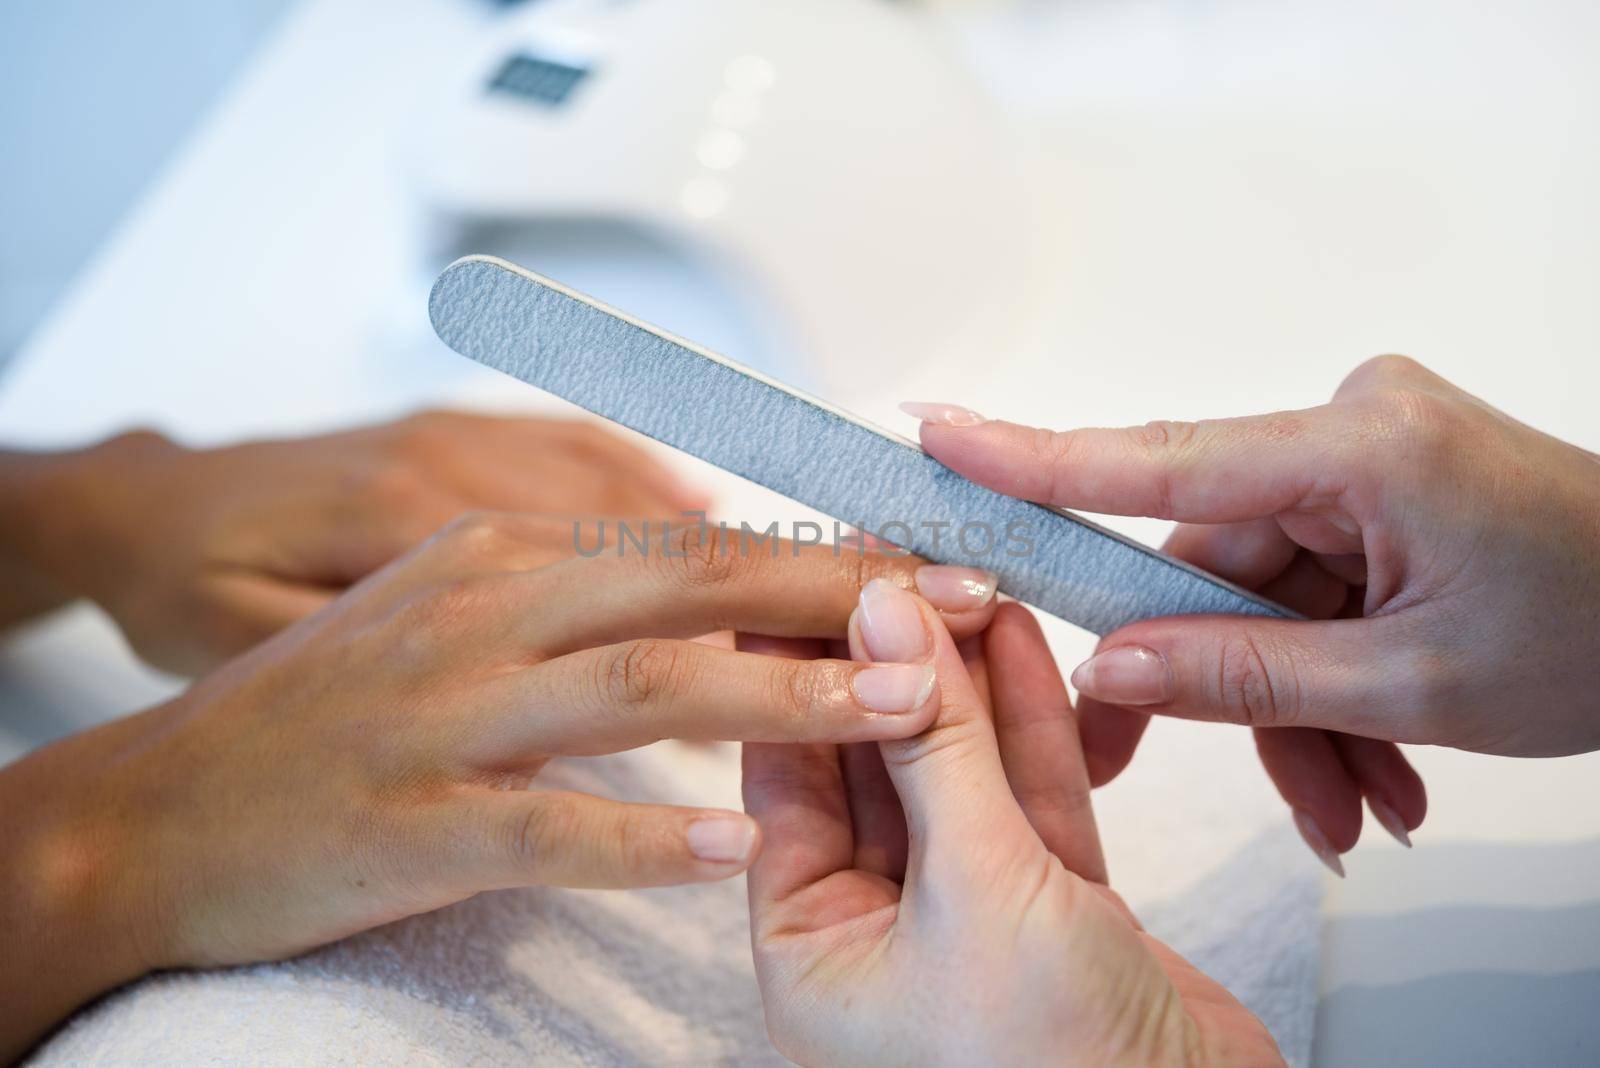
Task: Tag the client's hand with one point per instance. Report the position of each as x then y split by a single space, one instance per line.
375 760
199 554
941 900
1448 556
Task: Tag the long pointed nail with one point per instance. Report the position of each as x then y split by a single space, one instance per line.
955 589
942 414
891 624
1126 675
1390 821
1312 833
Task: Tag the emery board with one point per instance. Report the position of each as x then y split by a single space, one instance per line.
710 407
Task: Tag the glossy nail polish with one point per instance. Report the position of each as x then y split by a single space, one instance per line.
1311 831
893 688
891 623
1126 675
722 839
1390 821
942 414
955 589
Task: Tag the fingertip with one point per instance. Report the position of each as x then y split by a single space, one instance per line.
1306 767
1110 736
723 843
1394 791
899 699
966 624
1013 620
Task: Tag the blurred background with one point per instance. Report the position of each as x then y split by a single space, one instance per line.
87 120
222 218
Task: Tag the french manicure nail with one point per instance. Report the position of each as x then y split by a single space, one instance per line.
1312 833
1126 675
894 688
722 839
942 414
955 589
891 623
1390 821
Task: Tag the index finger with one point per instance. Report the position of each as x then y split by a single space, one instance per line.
1212 471
696 580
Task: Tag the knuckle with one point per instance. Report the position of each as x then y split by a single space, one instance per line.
639 672
705 556
794 693
1054 448
1057 452
1165 435
1166 446
1379 372
1248 686
1391 367
1419 426
1054 798
534 838
639 843
479 536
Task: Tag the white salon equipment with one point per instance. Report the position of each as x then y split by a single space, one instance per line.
832 157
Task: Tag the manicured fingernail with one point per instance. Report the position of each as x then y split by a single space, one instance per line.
1312 833
722 839
942 414
895 688
955 589
1126 675
1390 821
891 623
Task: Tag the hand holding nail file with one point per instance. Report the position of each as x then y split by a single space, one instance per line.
710 407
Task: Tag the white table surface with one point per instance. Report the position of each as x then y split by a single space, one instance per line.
1248 198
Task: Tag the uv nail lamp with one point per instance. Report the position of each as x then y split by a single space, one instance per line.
830 153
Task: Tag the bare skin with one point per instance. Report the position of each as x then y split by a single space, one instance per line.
380 758
1447 556
942 899
200 554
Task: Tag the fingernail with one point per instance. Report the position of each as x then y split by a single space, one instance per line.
1312 833
891 623
942 414
896 688
955 589
1390 820
722 839
1126 675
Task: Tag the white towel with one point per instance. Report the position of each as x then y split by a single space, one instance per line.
663 977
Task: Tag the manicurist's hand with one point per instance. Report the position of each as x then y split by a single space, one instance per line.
1448 556
199 554
380 758
942 899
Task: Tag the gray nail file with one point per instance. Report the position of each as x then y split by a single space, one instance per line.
710 407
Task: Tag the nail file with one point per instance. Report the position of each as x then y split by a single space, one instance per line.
708 406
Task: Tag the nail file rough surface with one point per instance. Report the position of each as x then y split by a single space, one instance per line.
710 407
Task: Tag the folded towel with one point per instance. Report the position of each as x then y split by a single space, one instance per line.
663 977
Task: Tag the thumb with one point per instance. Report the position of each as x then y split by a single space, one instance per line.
1349 675
556 838
950 778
